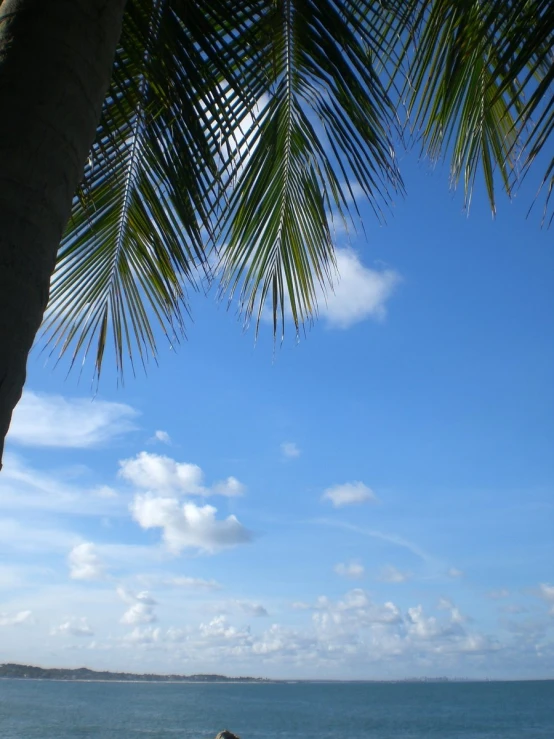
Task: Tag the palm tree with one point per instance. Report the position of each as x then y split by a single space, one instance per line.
230 133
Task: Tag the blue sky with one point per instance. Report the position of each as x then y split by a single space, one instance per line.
374 500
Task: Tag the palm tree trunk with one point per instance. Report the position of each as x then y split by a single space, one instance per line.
56 58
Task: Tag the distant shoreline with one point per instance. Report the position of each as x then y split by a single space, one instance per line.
12 671
84 674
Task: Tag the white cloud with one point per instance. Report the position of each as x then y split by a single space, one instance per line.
141 607
194 583
352 570
349 493
163 437
546 592
20 617
425 627
23 487
162 474
455 573
456 616
354 612
139 613
165 476
219 629
84 562
290 450
392 574
148 635
43 420
188 525
74 627
359 293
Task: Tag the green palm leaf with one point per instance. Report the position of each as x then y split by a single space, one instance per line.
140 222
469 67
326 124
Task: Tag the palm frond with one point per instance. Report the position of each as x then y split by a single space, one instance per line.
470 66
140 223
325 123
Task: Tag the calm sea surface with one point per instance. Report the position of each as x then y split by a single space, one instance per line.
63 710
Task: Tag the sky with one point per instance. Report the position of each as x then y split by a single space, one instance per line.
373 500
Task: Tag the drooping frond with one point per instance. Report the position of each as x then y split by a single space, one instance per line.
141 220
476 72
324 124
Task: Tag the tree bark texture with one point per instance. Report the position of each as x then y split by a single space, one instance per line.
56 58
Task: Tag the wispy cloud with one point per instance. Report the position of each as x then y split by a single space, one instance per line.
394 539
162 436
454 573
26 488
14 619
392 574
290 450
42 420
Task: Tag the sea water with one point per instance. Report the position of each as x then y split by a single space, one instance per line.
41 709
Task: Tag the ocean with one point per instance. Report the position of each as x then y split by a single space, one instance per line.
37 709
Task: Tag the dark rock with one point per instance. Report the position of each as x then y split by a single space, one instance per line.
226 734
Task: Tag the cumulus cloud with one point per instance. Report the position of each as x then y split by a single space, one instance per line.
354 612
359 293
353 569
43 420
290 450
141 607
165 476
14 619
188 525
349 493
428 627
74 627
162 474
392 574
84 562
220 629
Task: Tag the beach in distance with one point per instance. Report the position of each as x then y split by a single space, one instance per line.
65 709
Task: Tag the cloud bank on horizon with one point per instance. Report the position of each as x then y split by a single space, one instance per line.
130 568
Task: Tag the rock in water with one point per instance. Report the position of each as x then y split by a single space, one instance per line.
226 734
